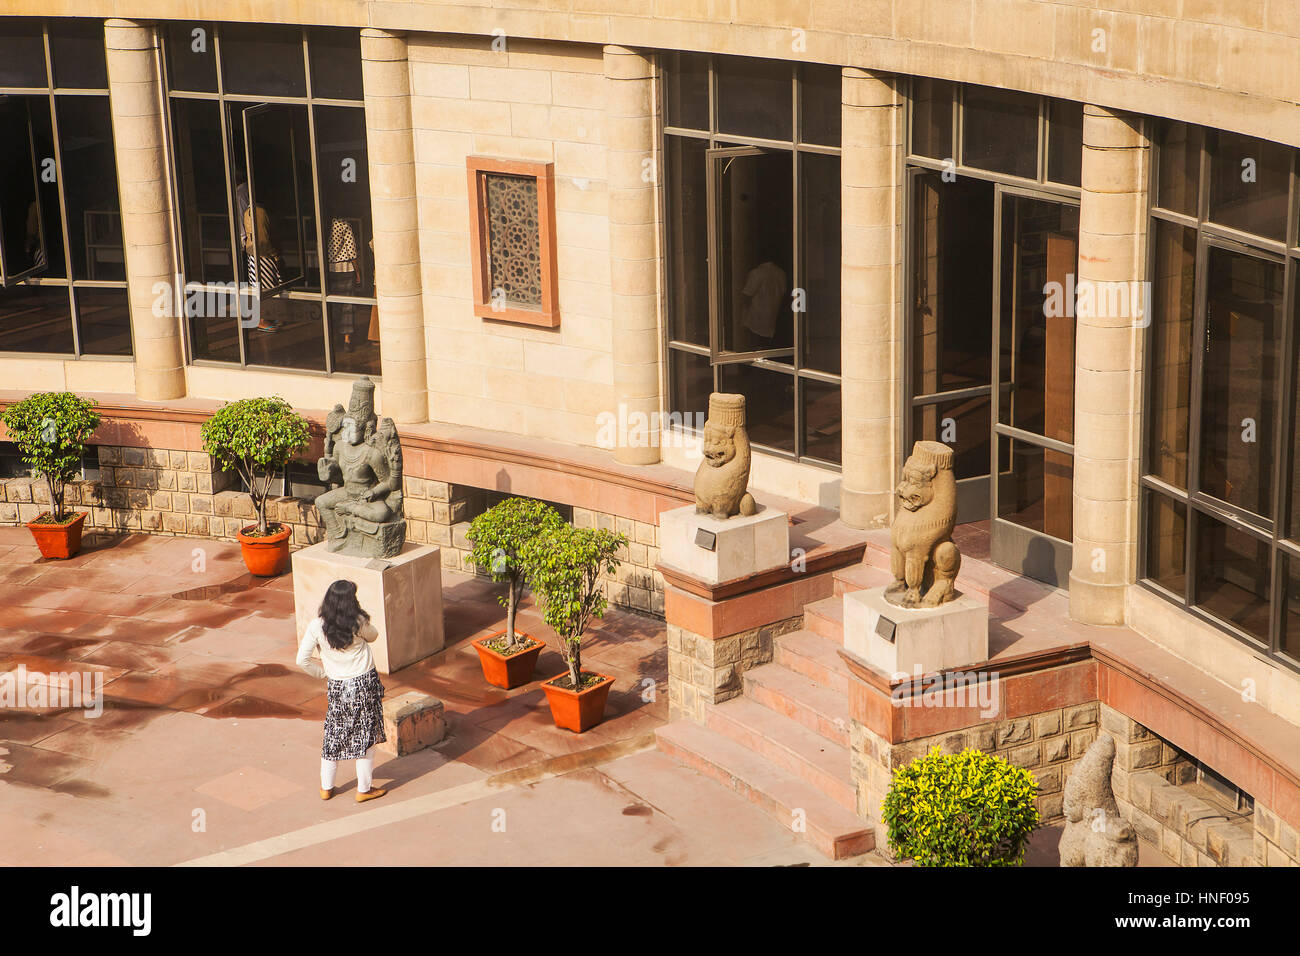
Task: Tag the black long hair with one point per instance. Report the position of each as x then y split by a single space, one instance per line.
341 615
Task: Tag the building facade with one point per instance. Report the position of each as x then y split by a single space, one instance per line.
1060 237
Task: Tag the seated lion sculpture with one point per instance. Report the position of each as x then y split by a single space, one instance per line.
923 559
723 475
1095 834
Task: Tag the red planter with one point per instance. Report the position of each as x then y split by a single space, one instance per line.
267 556
58 540
508 672
577 711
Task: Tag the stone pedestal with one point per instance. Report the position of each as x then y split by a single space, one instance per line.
915 641
402 595
740 546
413 722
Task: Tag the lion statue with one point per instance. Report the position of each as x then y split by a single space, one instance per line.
723 475
1095 834
923 559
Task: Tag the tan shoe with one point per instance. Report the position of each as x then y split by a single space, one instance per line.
326 794
374 793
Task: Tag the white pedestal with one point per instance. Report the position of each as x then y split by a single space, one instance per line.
922 640
741 546
402 595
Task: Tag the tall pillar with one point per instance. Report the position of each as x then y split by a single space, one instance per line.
1108 364
394 209
131 50
871 210
633 254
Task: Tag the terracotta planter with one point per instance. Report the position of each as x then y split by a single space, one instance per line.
508 672
58 540
266 556
577 710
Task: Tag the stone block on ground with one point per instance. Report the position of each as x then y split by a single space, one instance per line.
413 722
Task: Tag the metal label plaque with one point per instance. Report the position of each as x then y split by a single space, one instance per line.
885 628
706 539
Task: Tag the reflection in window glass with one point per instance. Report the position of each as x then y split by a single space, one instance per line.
932 118
51 222
22 234
104 321
1166 543
262 59
1243 319
94 218
1064 141
1290 640
214 317
820 105
822 420
1035 489
335 63
191 57
289 335
755 97
1232 576
692 380
1179 173
354 337
961 425
1000 131
345 200
201 191
769 403
686 90
277 214
1173 273
36 319
820 179
22 52
1249 179
77 54
687 228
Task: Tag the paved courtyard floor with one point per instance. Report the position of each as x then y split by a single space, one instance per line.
208 747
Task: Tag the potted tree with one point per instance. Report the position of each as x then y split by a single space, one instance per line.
498 536
257 438
564 568
51 430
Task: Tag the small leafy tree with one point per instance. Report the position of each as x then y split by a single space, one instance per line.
565 566
257 438
499 535
51 430
966 809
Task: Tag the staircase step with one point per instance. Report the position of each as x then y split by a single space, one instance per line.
860 577
815 657
833 830
826 617
791 746
803 700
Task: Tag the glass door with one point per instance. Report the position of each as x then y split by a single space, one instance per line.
22 226
1036 252
273 220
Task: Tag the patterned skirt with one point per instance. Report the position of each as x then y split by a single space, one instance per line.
354 719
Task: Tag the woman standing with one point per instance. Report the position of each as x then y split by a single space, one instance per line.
354 721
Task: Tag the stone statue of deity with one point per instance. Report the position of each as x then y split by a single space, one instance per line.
923 559
365 515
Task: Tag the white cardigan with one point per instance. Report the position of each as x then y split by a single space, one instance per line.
352 661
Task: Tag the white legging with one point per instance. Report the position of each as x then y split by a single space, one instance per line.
365 772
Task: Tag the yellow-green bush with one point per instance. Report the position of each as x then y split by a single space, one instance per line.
966 809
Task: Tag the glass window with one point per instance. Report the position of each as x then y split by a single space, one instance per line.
344 179
821 106
686 90
77 54
22 232
822 420
1173 281
290 334
1242 365
1166 543
354 335
104 321
819 176
687 228
192 57
769 403
202 191
1000 131
1290 642
1037 490
1233 571
932 118
963 426
1179 172
1064 141
335 63
262 60
36 319
214 314
90 197
1249 182
755 97
692 381
22 53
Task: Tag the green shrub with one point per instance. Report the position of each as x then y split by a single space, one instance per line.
966 809
51 430
257 438
564 566
498 536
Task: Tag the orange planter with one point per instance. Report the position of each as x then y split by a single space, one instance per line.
266 556
508 672
577 710
58 540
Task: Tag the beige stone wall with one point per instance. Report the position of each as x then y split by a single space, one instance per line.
534 102
704 671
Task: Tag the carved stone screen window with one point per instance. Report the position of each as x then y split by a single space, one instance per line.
512 230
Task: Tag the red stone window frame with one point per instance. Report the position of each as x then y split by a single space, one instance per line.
477 169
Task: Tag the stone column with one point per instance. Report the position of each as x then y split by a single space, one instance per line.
394 209
131 50
633 251
871 209
1108 364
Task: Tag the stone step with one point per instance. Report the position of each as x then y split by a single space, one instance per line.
834 831
860 577
815 657
803 700
826 617
791 746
